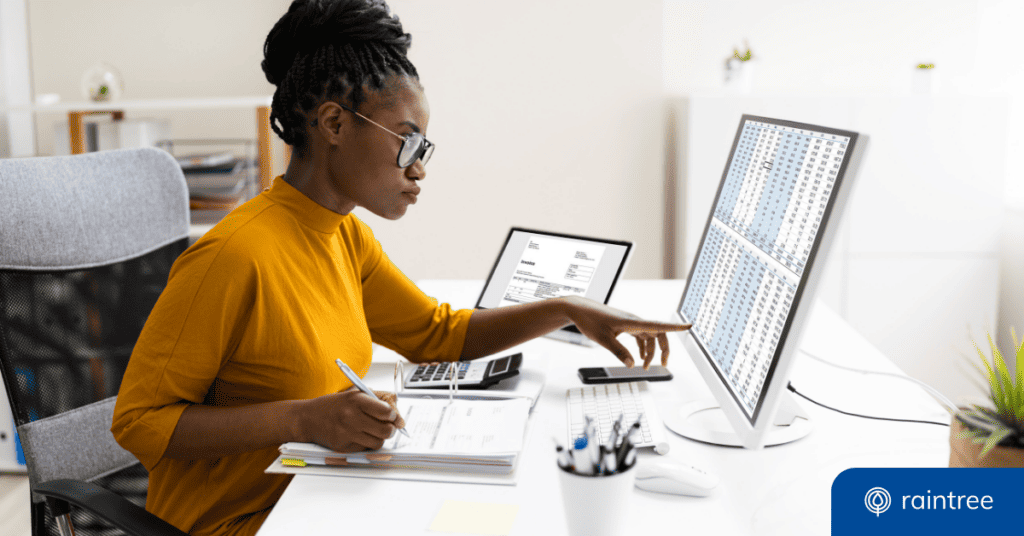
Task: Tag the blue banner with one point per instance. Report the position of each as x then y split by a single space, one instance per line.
927 501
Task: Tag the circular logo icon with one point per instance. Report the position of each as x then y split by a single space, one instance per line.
877 500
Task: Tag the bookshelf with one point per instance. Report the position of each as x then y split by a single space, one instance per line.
77 111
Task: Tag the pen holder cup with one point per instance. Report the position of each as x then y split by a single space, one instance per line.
596 505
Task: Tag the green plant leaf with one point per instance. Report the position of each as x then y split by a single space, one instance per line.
994 440
1019 365
993 384
1007 404
979 420
970 434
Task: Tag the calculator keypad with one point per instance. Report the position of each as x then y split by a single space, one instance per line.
441 372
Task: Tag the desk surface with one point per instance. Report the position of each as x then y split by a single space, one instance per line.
779 490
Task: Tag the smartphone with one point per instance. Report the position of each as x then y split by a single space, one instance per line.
656 373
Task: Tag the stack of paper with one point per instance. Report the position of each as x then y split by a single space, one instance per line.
468 436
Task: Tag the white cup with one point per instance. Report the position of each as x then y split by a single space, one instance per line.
596 505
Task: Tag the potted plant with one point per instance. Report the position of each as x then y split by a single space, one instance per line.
992 435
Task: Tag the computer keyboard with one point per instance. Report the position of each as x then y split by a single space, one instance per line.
605 402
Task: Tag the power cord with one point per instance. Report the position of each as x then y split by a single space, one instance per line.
805 397
950 407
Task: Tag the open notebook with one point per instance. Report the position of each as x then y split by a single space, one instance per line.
451 441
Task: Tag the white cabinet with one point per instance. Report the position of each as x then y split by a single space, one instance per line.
916 261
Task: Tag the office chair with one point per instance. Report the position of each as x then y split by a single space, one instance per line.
86 245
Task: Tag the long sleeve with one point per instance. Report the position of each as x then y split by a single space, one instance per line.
400 316
192 330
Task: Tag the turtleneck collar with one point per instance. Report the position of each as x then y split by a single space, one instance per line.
303 208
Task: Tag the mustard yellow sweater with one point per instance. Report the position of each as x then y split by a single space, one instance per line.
258 310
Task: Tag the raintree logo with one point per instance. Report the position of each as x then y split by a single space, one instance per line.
925 500
877 500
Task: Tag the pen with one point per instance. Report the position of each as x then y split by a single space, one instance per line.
610 465
580 447
613 438
354 378
627 444
594 447
564 455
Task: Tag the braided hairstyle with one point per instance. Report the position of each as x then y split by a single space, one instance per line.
330 49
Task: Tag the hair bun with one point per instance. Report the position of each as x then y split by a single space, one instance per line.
311 24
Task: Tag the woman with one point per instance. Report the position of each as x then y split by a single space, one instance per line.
238 354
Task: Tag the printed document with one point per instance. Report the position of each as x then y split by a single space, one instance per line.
439 429
552 268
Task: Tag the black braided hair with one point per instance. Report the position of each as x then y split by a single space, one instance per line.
330 49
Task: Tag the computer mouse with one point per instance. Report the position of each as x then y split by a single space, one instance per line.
677 478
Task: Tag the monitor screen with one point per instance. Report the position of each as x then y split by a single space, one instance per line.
761 239
536 265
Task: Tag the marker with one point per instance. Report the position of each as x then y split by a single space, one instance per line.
354 378
580 451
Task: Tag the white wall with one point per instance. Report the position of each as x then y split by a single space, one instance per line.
546 114
180 49
819 46
17 130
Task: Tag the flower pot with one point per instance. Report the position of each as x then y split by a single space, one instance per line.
965 453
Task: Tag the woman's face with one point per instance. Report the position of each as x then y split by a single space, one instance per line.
364 163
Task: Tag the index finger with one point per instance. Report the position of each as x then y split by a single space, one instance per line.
392 400
634 327
379 409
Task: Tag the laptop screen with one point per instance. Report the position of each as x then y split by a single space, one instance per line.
537 265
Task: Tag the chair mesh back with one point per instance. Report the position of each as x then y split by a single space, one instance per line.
65 340
65 337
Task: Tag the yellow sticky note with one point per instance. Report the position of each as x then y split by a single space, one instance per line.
486 519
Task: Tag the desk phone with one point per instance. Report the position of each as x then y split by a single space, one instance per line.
471 374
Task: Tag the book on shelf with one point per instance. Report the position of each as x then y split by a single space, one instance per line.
481 437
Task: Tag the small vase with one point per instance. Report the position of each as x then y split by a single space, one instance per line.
102 83
740 76
924 82
965 453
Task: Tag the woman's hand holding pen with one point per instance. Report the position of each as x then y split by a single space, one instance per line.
349 421
602 324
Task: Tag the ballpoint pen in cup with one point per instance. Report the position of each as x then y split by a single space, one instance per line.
596 489
356 381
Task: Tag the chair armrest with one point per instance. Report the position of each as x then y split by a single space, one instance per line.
108 505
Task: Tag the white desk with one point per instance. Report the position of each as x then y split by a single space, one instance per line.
780 490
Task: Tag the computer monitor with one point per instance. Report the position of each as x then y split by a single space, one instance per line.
750 288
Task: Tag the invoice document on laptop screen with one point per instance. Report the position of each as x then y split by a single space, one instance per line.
535 265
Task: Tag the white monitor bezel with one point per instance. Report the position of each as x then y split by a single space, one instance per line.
753 431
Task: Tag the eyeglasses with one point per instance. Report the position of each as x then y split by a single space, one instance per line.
414 146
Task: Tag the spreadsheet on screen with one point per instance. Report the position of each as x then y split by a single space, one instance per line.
765 223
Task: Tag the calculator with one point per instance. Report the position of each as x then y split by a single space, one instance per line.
471 374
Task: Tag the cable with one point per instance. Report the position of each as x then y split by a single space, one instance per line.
950 407
791 388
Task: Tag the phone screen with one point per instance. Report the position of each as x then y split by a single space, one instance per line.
637 372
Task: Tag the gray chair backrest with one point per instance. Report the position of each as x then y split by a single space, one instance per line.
74 212
79 212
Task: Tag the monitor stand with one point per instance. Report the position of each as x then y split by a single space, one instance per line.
791 423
